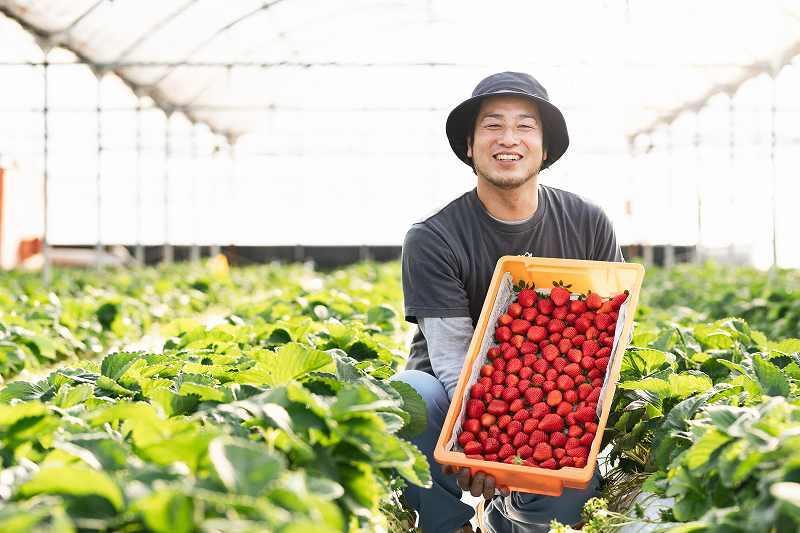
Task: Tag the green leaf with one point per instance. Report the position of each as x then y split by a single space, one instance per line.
355 399
22 390
10 414
291 361
414 405
166 511
67 396
657 386
418 472
114 365
244 467
109 385
685 384
75 480
204 392
772 380
701 451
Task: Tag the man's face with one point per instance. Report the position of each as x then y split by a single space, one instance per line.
506 148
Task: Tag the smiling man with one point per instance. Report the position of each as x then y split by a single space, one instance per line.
507 132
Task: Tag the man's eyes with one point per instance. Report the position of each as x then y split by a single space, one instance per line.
524 126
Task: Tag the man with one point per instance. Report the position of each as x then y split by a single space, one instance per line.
508 131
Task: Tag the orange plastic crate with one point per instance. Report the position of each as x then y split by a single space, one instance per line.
604 278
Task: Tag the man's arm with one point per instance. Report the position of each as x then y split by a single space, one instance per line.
448 341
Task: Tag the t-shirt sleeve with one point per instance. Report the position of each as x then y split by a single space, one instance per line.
606 247
432 285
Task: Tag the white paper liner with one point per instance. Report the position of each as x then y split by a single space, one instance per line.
505 297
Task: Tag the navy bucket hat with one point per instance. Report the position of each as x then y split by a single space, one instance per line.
461 121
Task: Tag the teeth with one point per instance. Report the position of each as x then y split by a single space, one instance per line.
507 157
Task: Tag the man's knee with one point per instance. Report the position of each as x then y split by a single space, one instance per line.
431 390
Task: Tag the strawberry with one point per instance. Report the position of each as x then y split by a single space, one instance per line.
545 306
575 355
593 300
483 435
614 315
580 378
499 365
510 394
591 427
540 366
577 306
529 358
591 333
503 334
555 326
582 324
554 398
530 462
603 335
536 437
560 294
566 461
607 342
516 405
530 313
550 352
597 382
570 396
574 431
493 352
476 456
509 353
525 372
589 348
572 370
618 300
536 333
580 462
486 382
570 419
586 439
473 447
549 386
578 340
505 320
534 395
564 345
542 452
558 440
514 310
499 377
564 383
530 425
488 419
516 341
521 327
522 415
526 297
560 312
497 390
528 348
559 453
491 457
594 374
578 451
544 343
488 397
606 307
491 445
503 421
513 428
572 442
506 451
477 391
564 408
560 364
587 363
551 374
594 395
551 422
511 460
494 431
524 451
514 365
542 320
588 315
539 379
569 332
465 437
512 380
605 351
554 338
472 425
498 407
504 438
519 440
549 463
601 321
475 408
524 384
487 370
585 414
540 410
570 318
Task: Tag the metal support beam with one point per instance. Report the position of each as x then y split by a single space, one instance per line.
169 253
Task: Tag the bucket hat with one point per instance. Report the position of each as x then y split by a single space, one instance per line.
461 121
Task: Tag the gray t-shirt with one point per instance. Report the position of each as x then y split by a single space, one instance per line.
449 258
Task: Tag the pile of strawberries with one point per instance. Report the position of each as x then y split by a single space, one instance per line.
535 401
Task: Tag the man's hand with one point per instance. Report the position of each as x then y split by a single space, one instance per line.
480 484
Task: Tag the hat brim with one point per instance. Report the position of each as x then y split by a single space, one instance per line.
459 125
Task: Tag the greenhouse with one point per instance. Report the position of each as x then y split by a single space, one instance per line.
293 265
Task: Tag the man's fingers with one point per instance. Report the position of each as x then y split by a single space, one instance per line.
464 479
488 487
477 484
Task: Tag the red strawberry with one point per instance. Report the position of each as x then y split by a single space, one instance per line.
499 377
558 440
475 408
506 451
555 326
606 307
488 419
539 379
605 351
594 374
570 419
591 333
550 352
524 384
503 421
594 395
483 435
586 439
551 422
564 345
587 363
524 451
570 318
525 372
505 320
565 383
516 405
578 451
520 439
545 306
544 343
577 306
511 394
572 370
491 445
522 415
486 382
536 437
530 313
551 374
476 456
497 390
569 332
514 365
549 463
487 370
554 338
529 358
542 452
540 366
591 427
491 457
540 410
608 342
513 428
541 320
597 382
560 312
570 396
559 294
572 442
582 324
575 355
580 462
503 334
473 425
580 378
498 407
619 299
529 425
574 431
477 391
601 321
521 327
528 348
473 447
549 386
536 333
514 310
578 340
589 348
559 453
554 398
509 353
585 414
593 301
512 380
465 437
494 431
534 395
516 341
560 364
499 365
526 297
564 408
